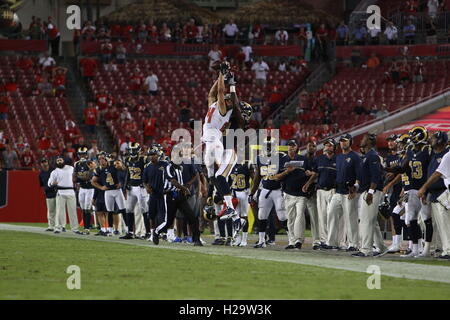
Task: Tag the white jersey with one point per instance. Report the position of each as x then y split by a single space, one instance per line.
214 123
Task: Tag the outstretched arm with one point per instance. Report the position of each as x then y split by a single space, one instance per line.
221 95
212 96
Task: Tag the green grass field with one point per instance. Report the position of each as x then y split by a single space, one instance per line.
33 266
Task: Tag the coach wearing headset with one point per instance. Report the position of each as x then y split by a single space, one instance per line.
371 186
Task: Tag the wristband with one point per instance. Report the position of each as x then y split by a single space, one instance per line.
233 89
371 191
356 186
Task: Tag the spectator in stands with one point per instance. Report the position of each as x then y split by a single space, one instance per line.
275 99
238 60
360 34
112 114
281 37
11 86
359 109
3 141
59 81
4 105
71 132
45 87
89 69
418 70
153 35
394 72
206 34
93 151
342 33
190 31
391 33
10 158
124 143
121 53
165 33
151 83
24 63
231 32
260 68
409 31
136 82
431 32
433 6
125 115
36 30
91 117
405 73
47 62
282 65
88 31
373 61
287 132
130 126
27 160
177 33
19 145
411 8
111 66
149 125
248 51
322 41
214 55
142 32
184 106
106 50
257 102
374 36
374 110
43 143
383 112
69 151
53 36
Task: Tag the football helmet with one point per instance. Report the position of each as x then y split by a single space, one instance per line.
155 149
134 149
418 135
246 110
209 213
82 152
403 142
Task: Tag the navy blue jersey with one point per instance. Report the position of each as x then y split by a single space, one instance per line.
394 161
294 181
371 171
108 176
348 168
418 162
135 170
240 177
50 192
154 177
268 169
83 174
438 187
326 172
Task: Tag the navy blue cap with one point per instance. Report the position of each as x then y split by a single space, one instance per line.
441 136
292 142
346 136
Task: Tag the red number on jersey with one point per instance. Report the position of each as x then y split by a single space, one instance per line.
210 113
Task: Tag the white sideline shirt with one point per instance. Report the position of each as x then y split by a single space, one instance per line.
444 168
230 29
260 70
64 178
152 82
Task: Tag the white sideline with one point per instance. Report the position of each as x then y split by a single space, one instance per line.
388 268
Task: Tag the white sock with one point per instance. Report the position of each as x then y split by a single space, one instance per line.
415 248
170 233
397 240
244 236
410 246
110 229
103 229
262 237
228 201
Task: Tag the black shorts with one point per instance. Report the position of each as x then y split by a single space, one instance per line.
100 205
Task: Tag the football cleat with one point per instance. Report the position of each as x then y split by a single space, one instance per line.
446 257
270 242
155 238
218 242
49 229
56 231
394 249
242 244
188 240
198 243
359 255
316 247
236 241
412 254
298 245
116 232
227 213
327 247
351 249
228 242
63 229
289 247
260 245
127 236
78 232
